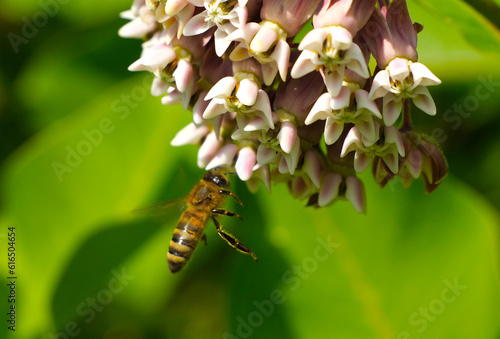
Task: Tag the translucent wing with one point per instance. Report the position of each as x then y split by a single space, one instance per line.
163 208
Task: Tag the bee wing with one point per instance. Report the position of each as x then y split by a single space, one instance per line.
163 208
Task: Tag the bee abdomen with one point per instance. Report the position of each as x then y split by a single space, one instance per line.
183 243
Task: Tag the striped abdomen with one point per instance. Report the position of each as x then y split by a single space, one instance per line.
185 238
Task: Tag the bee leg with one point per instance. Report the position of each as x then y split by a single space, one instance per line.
232 241
225 192
226 212
204 238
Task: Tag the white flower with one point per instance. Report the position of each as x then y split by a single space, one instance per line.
142 22
266 42
245 164
389 147
191 134
347 107
172 14
224 157
331 50
208 149
401 79
242 97
279 146
174 73
227 15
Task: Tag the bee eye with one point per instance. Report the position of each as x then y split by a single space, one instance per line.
220 181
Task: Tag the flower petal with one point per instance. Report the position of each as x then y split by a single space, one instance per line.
312 167
333 80
245 163
313 40
351 142
222 89
367 128
191 134
282 56
199 107
392 162
208 149
215 108
197 25
305 63
399 69
263 105
320 110
380 86
392 109
256 124
333 130
246 33
342 100
224 157
363 102
184 76
221 44
172 7
239 53
361 161
329 188
357 63
393 136
287 136
266 155
424 101
282 166
355 193
158 87
247 92
414 163
264 39
422 76
269 72
292 159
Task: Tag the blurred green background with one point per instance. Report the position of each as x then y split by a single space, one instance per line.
83 144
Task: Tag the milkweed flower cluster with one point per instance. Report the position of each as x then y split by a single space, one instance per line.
283 91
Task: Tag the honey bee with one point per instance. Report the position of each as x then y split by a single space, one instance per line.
204 202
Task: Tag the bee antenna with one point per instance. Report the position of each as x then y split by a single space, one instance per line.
231 173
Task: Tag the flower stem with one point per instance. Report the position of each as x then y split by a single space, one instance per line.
406 116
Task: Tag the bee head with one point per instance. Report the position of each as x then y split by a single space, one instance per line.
217 178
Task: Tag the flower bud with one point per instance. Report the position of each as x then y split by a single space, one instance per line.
378 38
296 96
434 165
352 15
404 36
289 14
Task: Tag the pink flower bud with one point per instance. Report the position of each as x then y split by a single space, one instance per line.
377 37
296 96
434 166
289 14
392 37
404 36
250 66
350 14
213 68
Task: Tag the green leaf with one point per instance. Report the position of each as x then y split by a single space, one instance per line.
81 13
66 75
96 275
489 9
411 254
77 176
477 29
